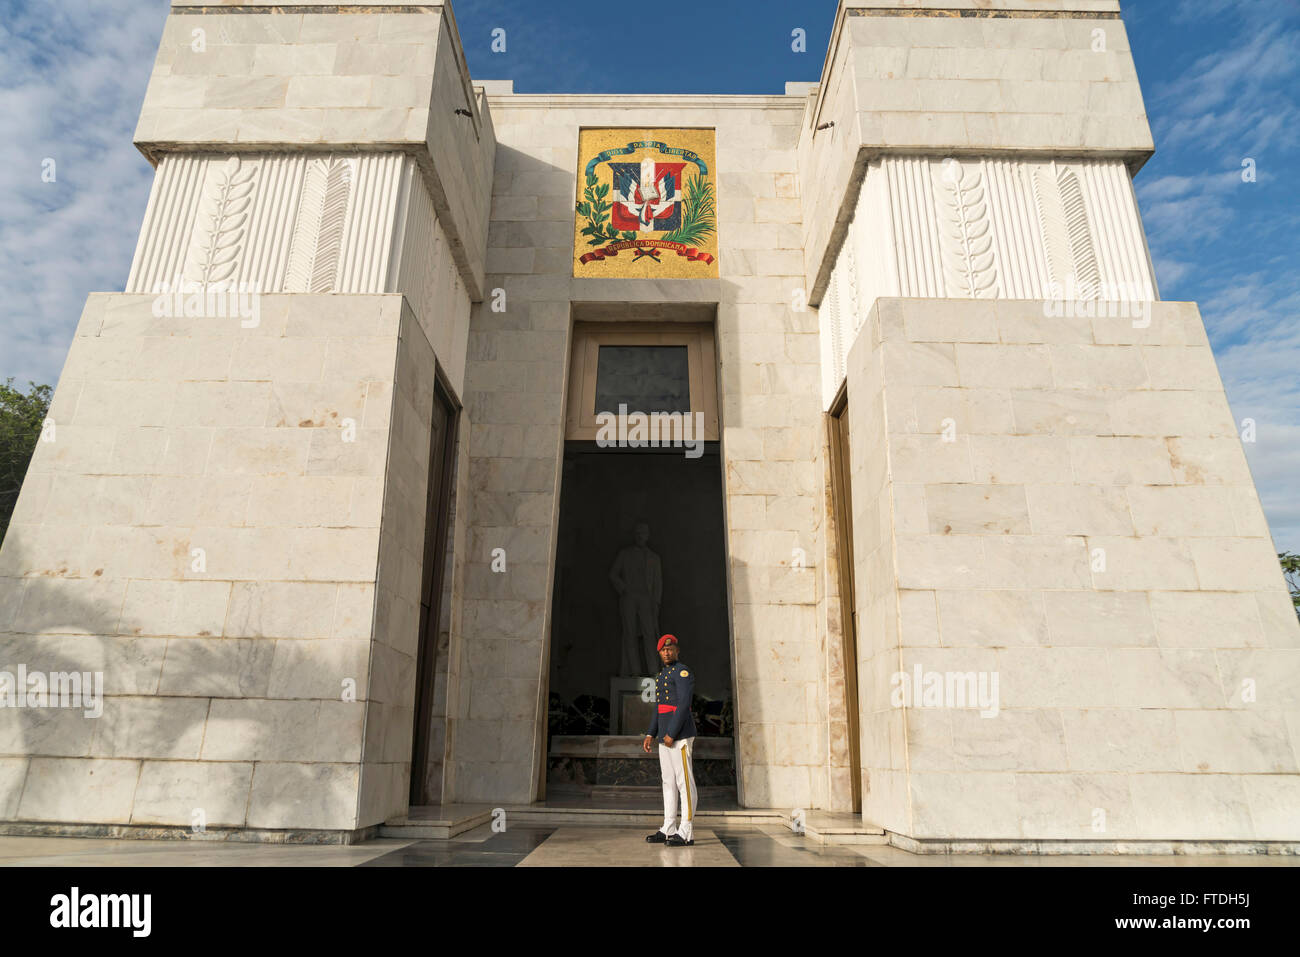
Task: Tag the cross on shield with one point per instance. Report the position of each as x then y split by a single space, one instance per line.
647 196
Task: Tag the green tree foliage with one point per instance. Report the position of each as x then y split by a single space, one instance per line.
21 418
1291 569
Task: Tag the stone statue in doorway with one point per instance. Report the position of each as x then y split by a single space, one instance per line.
637 577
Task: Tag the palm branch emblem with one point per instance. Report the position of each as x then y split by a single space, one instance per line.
699 214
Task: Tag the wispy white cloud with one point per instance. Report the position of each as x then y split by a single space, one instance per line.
72 77
1229 97
1253 321
1232 244
1170 271
1208 202
1237 72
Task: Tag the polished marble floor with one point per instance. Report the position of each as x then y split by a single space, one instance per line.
624 847
558 846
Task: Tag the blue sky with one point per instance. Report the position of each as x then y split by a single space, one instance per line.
1221 79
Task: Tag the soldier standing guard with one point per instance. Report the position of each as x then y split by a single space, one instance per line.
675 727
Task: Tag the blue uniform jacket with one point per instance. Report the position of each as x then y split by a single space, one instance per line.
674 690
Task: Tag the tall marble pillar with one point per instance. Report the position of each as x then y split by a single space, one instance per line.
1071 623
229 523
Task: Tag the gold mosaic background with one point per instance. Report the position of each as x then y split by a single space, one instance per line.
626 264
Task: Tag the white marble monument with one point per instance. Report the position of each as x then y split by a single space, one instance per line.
1048 493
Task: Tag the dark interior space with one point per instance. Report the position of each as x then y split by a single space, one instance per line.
605 494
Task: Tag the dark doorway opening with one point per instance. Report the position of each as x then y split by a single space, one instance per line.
428 744
837 423
597 715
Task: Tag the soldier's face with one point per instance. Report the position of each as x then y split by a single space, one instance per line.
642 533
668 653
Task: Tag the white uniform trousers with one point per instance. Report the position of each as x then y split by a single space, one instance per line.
679 782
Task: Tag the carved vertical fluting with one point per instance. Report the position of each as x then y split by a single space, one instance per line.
835 321
836 329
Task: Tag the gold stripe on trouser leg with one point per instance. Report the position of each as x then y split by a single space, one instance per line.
670 789
686 780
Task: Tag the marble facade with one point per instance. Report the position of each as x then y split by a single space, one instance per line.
1047 484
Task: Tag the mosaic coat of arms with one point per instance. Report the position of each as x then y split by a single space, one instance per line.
647 204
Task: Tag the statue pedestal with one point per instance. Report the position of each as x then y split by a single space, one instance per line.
628 714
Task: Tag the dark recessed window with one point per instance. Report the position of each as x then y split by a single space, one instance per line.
644 378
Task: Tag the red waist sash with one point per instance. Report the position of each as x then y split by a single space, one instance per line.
665 708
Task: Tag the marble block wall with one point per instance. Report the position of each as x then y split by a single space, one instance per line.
984 227
342 222
221 524
771 436
315 76
311 150
391 697
1010 77
1062 501
290 221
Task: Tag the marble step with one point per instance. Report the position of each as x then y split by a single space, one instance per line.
442 823
438 822
640 817
447 821
839 827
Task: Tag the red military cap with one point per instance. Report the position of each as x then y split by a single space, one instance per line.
664 640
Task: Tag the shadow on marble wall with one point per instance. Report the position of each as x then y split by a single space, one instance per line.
154 754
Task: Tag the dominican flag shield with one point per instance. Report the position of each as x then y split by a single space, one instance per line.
647 196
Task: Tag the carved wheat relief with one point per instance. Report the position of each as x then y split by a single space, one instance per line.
964 234
853 303
220 230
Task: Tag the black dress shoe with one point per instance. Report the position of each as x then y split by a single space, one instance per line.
658 837
676 841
